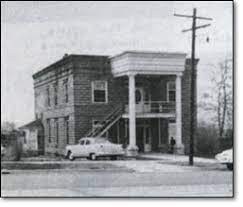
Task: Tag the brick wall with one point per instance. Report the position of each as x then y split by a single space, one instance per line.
87 70
60 74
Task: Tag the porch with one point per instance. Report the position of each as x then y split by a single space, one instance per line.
141 105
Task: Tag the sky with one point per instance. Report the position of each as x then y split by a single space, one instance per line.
36 34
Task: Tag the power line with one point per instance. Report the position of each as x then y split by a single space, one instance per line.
193 81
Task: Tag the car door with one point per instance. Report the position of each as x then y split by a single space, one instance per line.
88 147
80 148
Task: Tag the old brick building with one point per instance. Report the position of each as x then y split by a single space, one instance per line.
139 99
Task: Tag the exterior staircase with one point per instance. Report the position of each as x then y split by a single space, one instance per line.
107 123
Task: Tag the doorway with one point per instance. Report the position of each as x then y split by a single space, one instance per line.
143 136
171 131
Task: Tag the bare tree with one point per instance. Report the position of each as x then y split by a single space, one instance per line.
8 126
219 102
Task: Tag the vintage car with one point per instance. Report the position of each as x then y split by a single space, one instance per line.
226 157
92 148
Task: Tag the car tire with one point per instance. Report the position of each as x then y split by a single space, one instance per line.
92 156
70 156
230 166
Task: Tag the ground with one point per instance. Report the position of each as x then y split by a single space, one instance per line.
129 178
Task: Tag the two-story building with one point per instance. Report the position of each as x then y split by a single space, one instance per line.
139 99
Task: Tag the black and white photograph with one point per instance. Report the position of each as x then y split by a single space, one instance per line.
117 99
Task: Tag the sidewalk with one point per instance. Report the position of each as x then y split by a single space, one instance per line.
174 158
182 160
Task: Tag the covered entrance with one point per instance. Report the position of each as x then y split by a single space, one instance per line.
143 136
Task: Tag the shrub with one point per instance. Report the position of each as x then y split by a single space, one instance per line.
207 143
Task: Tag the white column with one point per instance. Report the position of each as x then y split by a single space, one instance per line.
132 116
178 112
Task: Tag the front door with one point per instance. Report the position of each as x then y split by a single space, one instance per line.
140 138
171 131
147 139
143 134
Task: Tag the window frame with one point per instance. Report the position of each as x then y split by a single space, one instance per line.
168 90
93 89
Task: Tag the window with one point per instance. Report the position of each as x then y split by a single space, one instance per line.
99 92
138 96
49 130
57 131
65 85
55 86
67 129
82 142
171 91
48 96
87 142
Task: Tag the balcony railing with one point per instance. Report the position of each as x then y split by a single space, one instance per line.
153 107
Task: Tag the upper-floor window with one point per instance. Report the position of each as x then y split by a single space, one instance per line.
171 91
57 131
49 130
48 96
66 119
99 92
65 86
55 87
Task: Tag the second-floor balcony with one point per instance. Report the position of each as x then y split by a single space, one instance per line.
153 109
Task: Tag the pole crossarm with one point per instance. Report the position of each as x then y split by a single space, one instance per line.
198 27
190 16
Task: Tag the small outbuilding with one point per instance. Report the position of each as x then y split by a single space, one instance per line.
33 138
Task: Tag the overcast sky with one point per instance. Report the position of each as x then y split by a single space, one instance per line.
36 34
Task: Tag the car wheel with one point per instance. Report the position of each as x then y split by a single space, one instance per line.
70 156
230 166
92 156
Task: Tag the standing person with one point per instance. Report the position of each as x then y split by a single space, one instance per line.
172 145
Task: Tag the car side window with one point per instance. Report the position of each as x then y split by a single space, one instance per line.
82 142
87 142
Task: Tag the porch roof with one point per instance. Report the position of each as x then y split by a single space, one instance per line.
149 63
36 123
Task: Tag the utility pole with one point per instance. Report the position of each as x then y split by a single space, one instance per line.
193 73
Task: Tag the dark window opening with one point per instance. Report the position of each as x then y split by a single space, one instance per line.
55 94
67 129
49 130
57 131
48 97
66 90
99 96
138 96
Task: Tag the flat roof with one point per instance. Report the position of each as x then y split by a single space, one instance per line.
62 60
